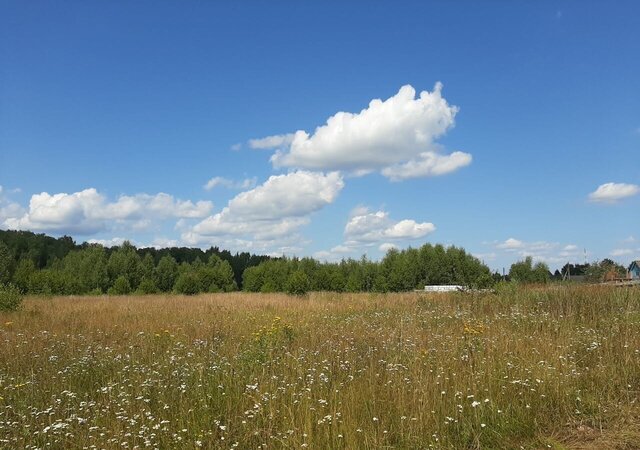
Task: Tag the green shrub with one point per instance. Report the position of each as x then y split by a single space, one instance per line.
120 287
10 297
188 283
147 286
298 283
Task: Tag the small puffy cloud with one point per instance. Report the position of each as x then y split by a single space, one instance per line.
396 136
510 244
270 142
376 226
270 215
613 192
366 229
87 212
214 182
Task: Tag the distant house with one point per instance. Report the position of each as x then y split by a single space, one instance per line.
634 270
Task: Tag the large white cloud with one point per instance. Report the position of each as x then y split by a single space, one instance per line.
270 214
88 211
612 192
396 136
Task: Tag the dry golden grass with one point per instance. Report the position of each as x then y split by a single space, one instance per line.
523 368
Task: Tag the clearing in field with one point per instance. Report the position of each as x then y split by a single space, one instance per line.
522 368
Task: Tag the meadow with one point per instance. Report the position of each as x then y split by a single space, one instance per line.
539 367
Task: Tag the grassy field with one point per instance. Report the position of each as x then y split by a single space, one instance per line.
523 368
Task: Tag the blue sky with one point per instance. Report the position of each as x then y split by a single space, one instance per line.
507 128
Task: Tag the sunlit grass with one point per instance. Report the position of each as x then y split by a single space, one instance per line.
537 368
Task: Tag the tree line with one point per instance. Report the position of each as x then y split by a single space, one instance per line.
399 270
43 265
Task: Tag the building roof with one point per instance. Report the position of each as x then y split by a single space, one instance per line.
636 263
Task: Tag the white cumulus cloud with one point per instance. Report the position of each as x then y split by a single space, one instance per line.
612 192
396 136
270 214
377 226
88 211
511 244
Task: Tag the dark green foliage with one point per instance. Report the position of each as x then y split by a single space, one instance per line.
43 265
125 262
298 283
147 286
10 297
120 287
398 271
89 266
23 253
188 283
54 282
166 273
41 249
6 263
23 272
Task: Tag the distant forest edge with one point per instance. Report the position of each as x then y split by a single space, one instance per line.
43 265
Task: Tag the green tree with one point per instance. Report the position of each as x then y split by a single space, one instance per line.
6 263
89 267
23 272
253 278
125 262
120 287
525 272
166 273
541 273
147 286
147 266
297 283
188 283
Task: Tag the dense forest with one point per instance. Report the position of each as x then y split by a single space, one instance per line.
43 265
